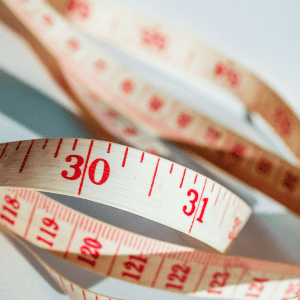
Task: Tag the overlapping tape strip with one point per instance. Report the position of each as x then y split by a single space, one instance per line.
154 188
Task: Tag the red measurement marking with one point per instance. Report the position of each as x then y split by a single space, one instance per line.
142 157
75 144
95 227
158 271
60 212
72 288
45 144
182 178
58 147
109 146
125 156
198 205
213 186
99 230
195 179
72 236
56 211
91 225
81 223
218 195
63 285
200 278
30 219
85 166
83 294
153 179
104 230
18 145
224 194
115 256
113 234
26 157
171 168
225 211
2 153
108 232
65 213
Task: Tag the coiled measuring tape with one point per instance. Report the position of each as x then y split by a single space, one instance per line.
90 167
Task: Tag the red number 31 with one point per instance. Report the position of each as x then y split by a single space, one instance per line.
193 202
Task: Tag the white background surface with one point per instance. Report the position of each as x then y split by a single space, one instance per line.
264 36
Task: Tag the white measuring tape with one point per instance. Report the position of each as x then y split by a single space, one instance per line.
137 181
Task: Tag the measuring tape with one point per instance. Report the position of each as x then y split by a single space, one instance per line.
108 173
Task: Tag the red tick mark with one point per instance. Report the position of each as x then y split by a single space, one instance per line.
153 179
218 195
171 168
45 144
2 153
213 186
109 146
58 147
198 205
18 145
85 166
26 157
75 144
225 211
182 178
195 179
142 157
125 156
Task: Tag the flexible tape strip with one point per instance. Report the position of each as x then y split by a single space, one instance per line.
68 287
148 38
114 252
231 152
155 187
117 124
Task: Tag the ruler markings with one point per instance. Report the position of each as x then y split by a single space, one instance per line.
108 232
26 157
75 144
212 188
72 236
83 294
58 148
154 176
195 178
158 270
85 166
198 205
63 285
45 143
30 219
125 157
115 256
223 216
201 277
86 224
108 148
19 144
218 195
183 175
3 151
